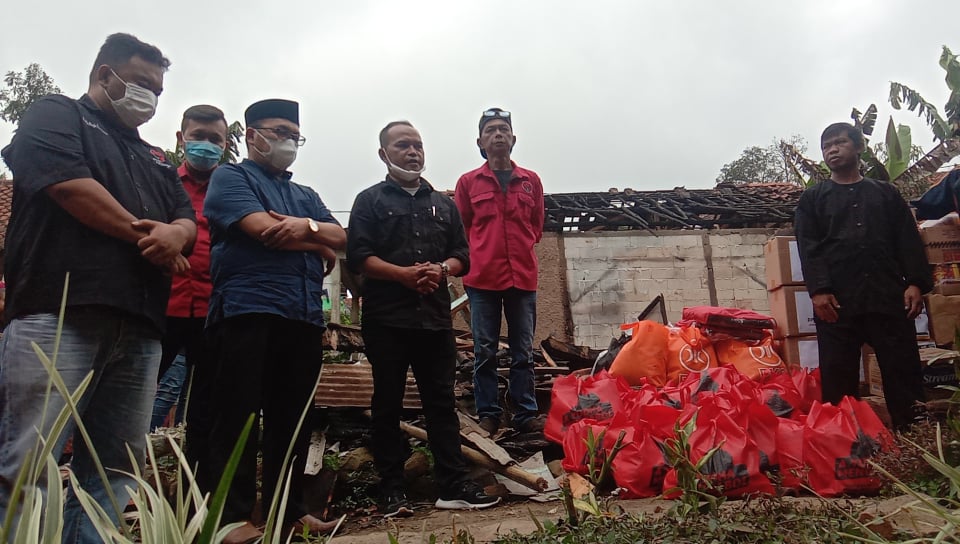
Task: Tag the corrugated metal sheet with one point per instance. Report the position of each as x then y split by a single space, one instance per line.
343 385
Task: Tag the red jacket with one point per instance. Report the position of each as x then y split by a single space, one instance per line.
502 227
190 291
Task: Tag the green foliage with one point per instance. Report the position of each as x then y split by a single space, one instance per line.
189 518
762 165
767 520
22 90
943 128
696 490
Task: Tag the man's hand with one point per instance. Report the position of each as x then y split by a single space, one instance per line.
329 257
178 265
430 276
163 242
413 277
289 229
825 305
912 301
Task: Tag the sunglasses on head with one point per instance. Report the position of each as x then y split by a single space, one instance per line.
495 113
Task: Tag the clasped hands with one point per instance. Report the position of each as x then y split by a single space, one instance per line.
423 278
163 243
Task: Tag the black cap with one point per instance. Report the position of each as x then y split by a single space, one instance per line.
485 117
273 108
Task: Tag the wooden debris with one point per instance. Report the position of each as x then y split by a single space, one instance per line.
342 338
482 440
513 472
577 357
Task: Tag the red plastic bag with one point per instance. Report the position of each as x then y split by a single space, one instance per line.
596 397
790 450
780 395
728 318
644 358
838 441
761 426
640 466
734 469
808 385
688 352
755 360
576 454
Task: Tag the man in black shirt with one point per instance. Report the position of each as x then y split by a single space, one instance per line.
93 200
865 270
406 238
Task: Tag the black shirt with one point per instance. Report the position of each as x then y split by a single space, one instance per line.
861 243
404 229
503 176
61 139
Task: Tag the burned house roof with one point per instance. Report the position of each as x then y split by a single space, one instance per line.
753 205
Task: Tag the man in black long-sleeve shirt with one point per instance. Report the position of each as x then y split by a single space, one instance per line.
406 239
865 270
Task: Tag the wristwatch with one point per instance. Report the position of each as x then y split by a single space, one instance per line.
313 225
444 270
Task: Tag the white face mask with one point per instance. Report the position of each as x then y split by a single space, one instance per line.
137 105
281 154
399 173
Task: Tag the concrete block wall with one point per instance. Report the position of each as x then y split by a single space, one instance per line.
612 276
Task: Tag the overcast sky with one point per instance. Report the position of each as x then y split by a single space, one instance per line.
641 94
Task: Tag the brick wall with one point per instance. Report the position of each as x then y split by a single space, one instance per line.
612 276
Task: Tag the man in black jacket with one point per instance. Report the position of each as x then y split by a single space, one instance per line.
865 270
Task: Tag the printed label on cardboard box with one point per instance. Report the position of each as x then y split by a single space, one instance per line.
796 271
805 322
809 353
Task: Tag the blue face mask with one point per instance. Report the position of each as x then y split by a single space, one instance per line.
202 155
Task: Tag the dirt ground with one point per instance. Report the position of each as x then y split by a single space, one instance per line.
485 525
488 525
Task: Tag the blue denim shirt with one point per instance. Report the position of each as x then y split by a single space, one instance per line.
247 277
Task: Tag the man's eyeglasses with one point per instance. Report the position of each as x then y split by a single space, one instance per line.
496 113
285 134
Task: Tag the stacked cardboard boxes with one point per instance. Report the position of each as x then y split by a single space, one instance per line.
941 242
939 368
789 302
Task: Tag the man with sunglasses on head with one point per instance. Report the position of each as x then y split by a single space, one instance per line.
502 209
91 199
270 240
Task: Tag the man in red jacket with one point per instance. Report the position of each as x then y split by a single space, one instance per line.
502 209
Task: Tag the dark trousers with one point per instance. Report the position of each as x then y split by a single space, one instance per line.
432 355
894 339
187 334
268 364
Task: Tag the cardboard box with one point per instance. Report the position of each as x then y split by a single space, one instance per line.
802 351
782 259
944 314
946 278
790 305
941 239
938 369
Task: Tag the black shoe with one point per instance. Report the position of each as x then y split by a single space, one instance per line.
468 497
490 425
532 425
395 504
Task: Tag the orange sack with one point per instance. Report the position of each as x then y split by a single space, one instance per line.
688 352
644 358
754 359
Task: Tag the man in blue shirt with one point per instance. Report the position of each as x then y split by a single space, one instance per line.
270 239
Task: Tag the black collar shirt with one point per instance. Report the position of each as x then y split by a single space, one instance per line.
860 243
61 139
403 229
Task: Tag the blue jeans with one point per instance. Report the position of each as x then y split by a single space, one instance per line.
520 309
123 352
171 391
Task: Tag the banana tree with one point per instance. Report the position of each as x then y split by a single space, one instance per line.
946 130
